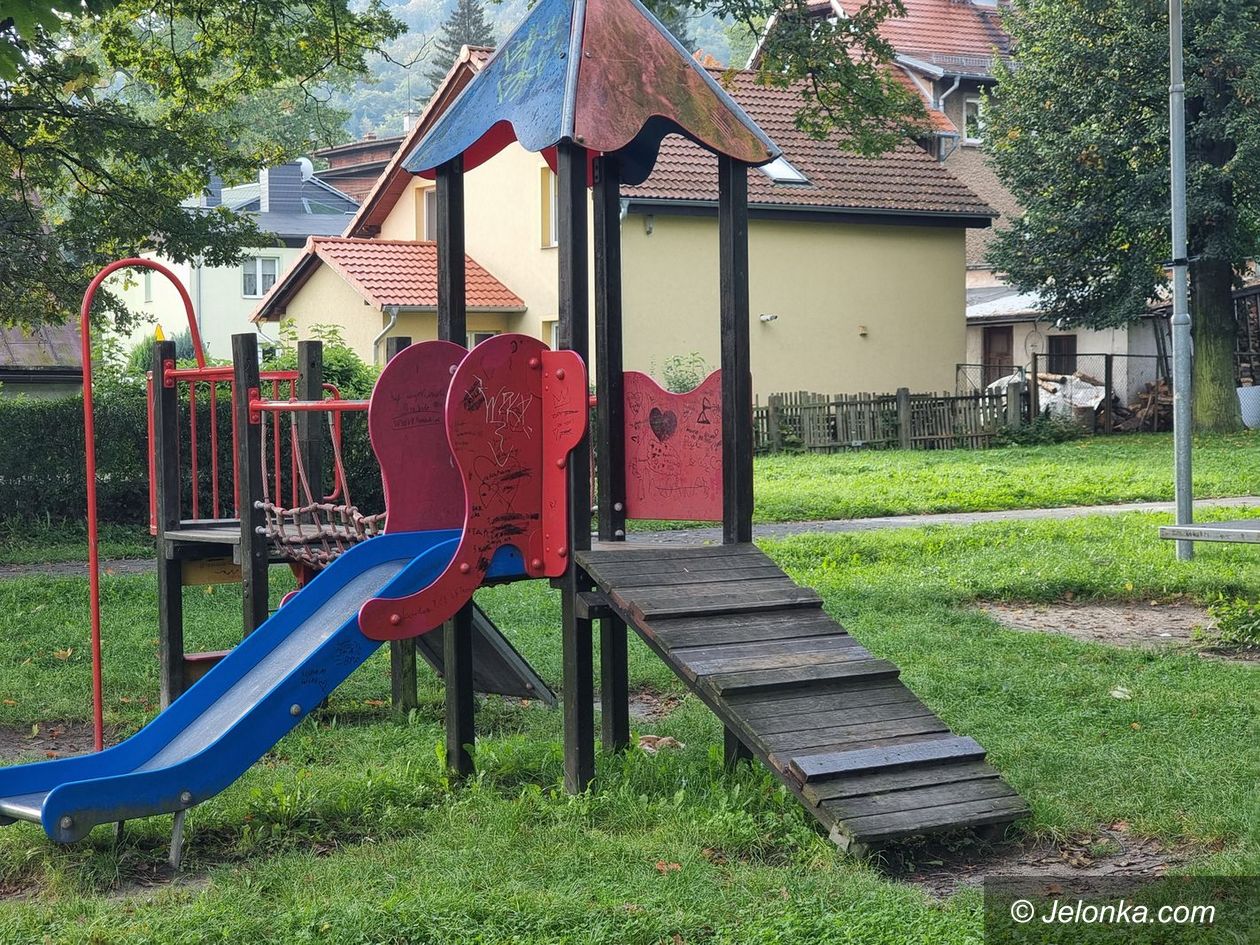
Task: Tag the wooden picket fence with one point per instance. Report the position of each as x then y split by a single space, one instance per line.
827 423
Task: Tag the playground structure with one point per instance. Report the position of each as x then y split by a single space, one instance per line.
487 467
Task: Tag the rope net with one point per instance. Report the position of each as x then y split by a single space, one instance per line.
317 531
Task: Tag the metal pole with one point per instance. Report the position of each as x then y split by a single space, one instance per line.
1181 340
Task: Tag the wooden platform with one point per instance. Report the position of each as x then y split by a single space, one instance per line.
832 721
1243 530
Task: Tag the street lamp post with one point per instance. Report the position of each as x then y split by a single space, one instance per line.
1181 340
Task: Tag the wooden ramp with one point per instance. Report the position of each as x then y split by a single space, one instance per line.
833 722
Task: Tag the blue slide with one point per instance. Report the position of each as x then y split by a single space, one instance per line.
211 734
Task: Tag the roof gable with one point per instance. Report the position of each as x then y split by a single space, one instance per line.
386 273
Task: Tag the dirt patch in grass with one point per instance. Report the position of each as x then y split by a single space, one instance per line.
942 868
45 740
1137 624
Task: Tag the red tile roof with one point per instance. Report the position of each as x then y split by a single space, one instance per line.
937 30
905 181
938 121
385 273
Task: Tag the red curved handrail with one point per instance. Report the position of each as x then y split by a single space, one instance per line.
89 439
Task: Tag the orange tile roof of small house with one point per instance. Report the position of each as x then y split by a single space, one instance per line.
905 181
933 29
386 273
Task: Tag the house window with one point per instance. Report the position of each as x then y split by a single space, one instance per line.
477 337
1062 354
973 119
550 208
428 212
258 274
555 336
148 285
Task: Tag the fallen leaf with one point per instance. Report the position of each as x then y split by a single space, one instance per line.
374 702
52 754
651 744
1121 693
1136 726
662 867
9 702
64 654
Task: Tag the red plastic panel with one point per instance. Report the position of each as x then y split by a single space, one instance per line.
407 423
513 413
673 450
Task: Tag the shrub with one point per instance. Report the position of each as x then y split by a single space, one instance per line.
1237 621
1041 431
681 373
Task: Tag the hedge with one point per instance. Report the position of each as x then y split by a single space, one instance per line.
42 463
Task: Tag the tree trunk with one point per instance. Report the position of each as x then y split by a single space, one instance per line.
1215 338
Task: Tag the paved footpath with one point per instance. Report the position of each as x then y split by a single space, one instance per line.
692 536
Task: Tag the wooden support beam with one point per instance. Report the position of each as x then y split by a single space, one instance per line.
452 325
165 448
310 386
737 419
579 662
253 551
733 750
403 680
614 688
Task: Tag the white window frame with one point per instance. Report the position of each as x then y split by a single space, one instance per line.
148 285
555 335
256 263
429 198
978 101
477 336
551 225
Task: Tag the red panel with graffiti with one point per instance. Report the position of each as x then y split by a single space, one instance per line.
407 423
673 450
513 414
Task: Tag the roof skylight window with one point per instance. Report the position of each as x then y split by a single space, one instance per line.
781 171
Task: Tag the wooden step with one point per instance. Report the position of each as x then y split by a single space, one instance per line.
839 764
865 671
197 665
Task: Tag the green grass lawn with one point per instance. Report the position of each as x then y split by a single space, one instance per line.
348 832
25 542
1091 471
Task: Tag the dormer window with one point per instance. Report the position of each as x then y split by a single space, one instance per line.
973 119
781 171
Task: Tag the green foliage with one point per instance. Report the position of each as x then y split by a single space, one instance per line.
681 373
111 120
842 66
467 25
139 359
676 17
1041 431
1079 134
1237 621
343 367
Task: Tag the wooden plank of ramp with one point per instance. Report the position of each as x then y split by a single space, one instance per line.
832 720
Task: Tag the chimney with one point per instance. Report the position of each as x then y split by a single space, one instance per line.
212 196
280 189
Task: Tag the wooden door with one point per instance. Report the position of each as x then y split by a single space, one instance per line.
999 353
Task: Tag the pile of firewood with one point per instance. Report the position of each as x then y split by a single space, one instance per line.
1150 411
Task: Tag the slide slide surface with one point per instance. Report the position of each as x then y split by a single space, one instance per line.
225 722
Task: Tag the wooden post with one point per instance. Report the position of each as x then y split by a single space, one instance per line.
310 386
1109 413
614 667
403 680
579 662
905 427
170 569
773 429
1014 405
452 325
737 445
254 553
1034 392
737 421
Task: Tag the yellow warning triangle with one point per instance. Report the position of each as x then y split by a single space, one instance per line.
158 334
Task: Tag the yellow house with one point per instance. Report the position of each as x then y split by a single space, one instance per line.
857 276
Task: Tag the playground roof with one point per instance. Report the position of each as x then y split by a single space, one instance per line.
906 181
386 273
45 350
601 73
